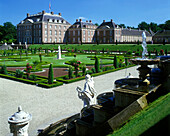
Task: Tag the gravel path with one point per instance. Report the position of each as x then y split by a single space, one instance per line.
48 105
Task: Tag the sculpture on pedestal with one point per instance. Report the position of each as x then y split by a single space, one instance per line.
19 123
144 45
59 53
88 95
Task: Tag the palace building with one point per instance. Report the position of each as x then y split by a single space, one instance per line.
82 32
42 28
52 28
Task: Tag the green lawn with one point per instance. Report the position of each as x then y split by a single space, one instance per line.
110 47
147 118
56 63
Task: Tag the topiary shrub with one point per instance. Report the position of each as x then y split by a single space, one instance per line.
115 63
3 70
70 72
33 77
19 73
97 64
93 70
84 70
50 74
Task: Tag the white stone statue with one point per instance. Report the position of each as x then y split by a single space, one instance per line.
88 95
144 45
19 123
12 43
59 53
5 44
19 43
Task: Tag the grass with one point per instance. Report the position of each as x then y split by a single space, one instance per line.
56 63
147 118
110 47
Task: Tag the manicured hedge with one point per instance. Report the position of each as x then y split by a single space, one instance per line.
61 79
55 84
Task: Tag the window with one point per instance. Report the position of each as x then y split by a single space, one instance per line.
73 33
55 40
84 39
55 32
104 39
84 32
88 39
45 32
45 26
78 39
50 32
88 32
50 26
64 27
97 33
39 40
59 32
45 39
111 33
60 40
110 39
91 32
39 32
104 33
73 39
59 27
78 32
55 27
50 40
39 26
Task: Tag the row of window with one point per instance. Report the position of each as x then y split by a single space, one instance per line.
55 32
59 27
85 26
51 40
28 27
56 21
104 33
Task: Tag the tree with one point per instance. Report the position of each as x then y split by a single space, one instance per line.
3 70
167 25
70 72
97 65
143 26
50 74
96 24
122 26
8 32
116 65
154 27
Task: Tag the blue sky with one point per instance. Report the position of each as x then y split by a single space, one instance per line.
128 12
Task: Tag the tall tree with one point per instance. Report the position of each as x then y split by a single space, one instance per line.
97 65
167 25
122 25
50 74
143 26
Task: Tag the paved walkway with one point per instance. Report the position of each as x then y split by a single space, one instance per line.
48 105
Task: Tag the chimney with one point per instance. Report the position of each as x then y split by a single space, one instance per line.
28 14
43 12
87 21
59 14
103 21
90 21
77 20
52 13
111 20
80 20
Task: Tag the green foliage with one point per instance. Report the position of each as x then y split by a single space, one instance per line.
8 32
115 63
50 74
84 70
19 73
97 64
40 56
33 77
3 70
93 70
70 73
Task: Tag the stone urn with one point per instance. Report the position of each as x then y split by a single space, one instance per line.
19 123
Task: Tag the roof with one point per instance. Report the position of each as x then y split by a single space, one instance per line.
163 33
81 24
44 17
108 25
134 32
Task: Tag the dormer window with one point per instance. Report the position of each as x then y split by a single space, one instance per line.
55 21
59 21
50 20
38 19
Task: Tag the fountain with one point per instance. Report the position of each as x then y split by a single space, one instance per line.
59 53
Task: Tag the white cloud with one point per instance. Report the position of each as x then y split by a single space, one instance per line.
83 18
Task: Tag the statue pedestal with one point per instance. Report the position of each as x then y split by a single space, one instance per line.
19 123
